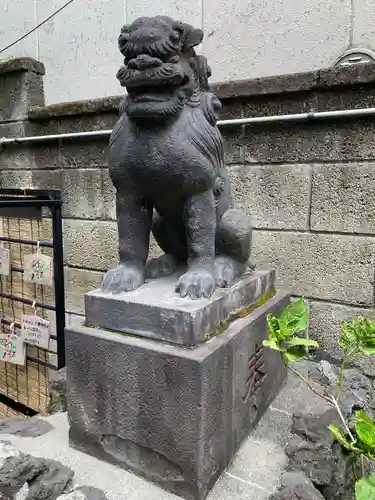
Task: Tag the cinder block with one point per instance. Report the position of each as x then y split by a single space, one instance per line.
18 91
310 142
37 179
47 179
233 145
322 266
75 120
84 153
324 326
109 196
24 157
93 244
15 179
282 103
77 283
343 198
90 244
277 197
173 415
82 193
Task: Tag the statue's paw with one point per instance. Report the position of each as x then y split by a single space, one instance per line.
162 266
227 271
123 278
196 284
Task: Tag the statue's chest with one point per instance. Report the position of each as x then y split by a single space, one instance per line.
165 159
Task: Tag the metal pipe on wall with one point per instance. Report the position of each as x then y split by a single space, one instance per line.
301 117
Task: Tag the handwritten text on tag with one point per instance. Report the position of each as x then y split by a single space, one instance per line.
38 269
35 331
13 350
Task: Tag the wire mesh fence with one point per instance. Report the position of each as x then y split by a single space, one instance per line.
31 219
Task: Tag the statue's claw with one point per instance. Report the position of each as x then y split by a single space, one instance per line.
162 266
196 284
123 278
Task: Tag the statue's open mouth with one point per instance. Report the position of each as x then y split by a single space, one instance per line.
156 87
158 93
148 75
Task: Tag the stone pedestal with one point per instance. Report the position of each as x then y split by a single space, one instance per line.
172 414
156 311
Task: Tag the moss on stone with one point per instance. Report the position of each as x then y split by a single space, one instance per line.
242 313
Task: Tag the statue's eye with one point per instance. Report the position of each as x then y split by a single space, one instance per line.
175 36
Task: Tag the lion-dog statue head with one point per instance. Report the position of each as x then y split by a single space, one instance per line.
161 69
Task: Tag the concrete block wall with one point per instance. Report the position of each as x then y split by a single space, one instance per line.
308 187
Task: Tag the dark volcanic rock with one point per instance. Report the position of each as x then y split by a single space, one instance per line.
51 483
296 486
343 478
16 471
330 470
46 479
314 428
314 460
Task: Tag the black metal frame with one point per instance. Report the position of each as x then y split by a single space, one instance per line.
10 198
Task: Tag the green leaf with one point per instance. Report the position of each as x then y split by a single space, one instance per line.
272 344
368 351
339 436
365 429
294 318
273 327
302 341
365 488
361 415
357 337
294 354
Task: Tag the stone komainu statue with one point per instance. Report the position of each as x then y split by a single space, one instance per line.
166 163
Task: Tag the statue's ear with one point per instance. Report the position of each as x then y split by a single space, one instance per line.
191 37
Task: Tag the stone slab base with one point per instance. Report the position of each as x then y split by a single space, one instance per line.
171 414
156 311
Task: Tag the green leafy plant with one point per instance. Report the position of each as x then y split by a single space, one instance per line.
363 441
283 332
357 338
365 488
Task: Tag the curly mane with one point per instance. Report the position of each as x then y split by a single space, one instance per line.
201 128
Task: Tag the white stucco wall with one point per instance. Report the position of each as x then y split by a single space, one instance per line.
243 38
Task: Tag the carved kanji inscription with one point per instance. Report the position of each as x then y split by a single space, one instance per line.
256 374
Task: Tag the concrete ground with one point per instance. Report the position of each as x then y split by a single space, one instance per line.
254 473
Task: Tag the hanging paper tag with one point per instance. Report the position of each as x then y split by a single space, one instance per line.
35 331
12 349
4 261
38 268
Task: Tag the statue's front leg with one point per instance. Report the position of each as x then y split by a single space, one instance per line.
200 227
134 224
